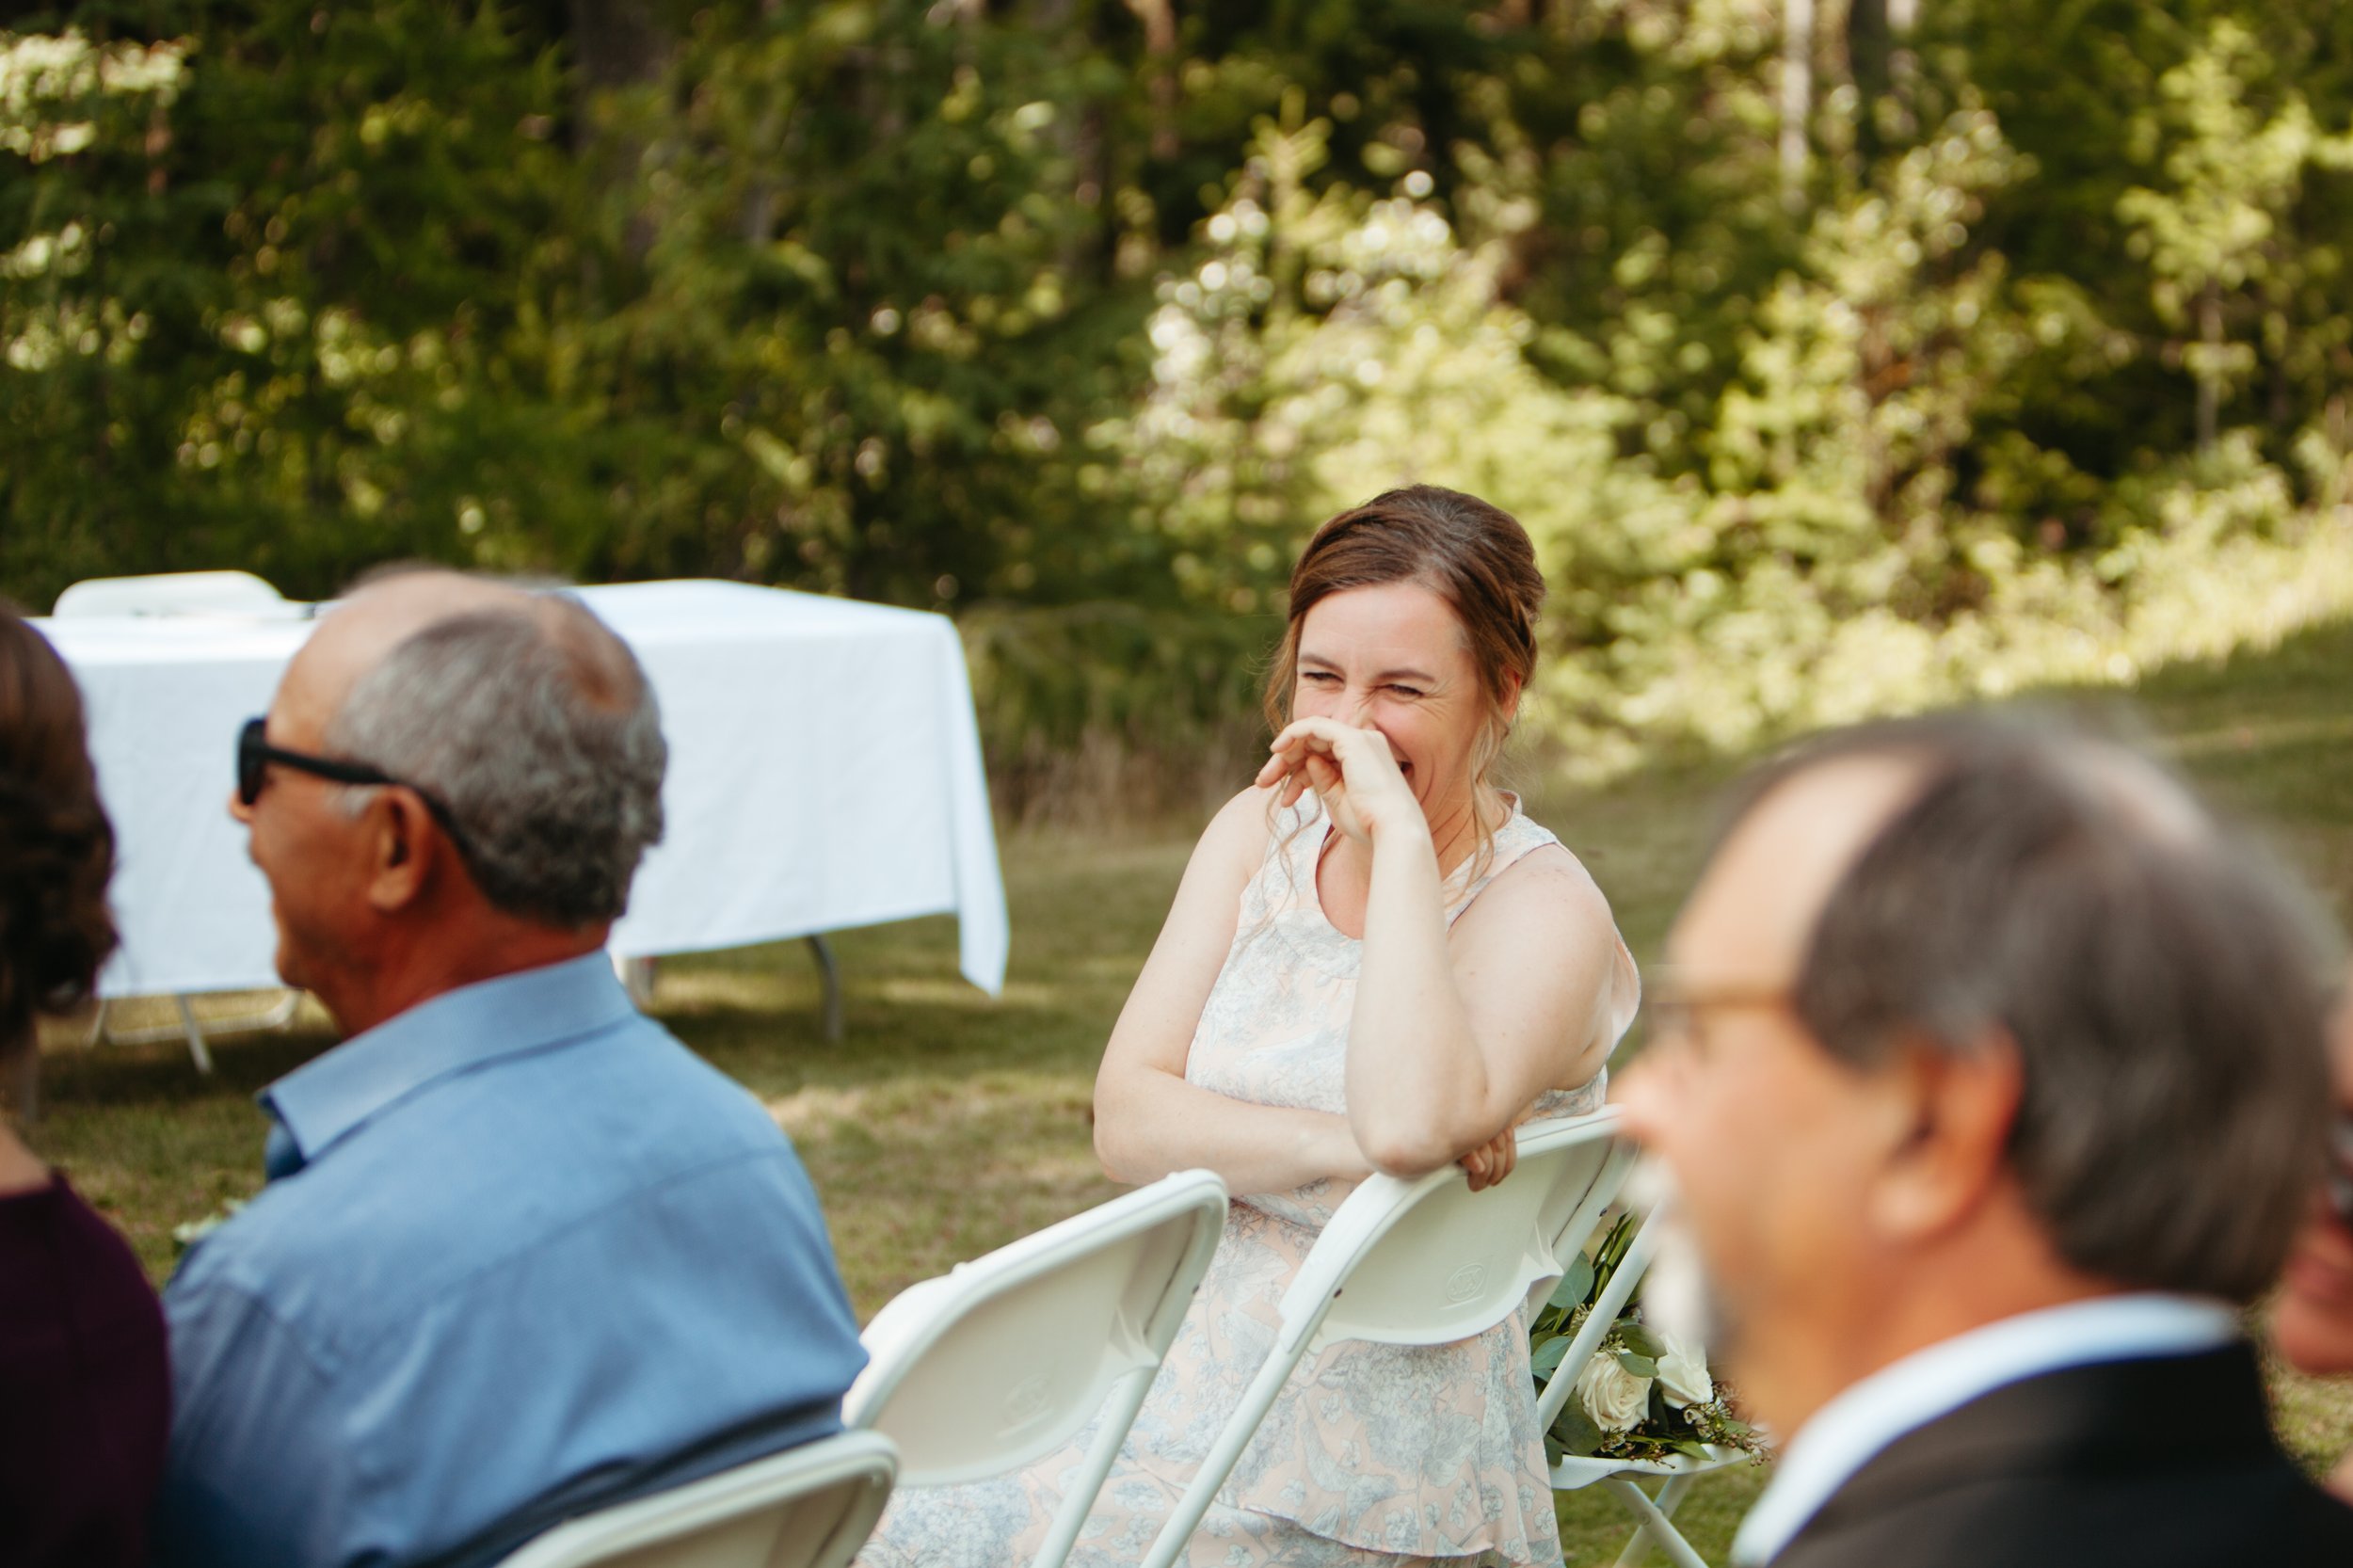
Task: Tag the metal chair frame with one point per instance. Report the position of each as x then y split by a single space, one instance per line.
986 1370
1423 1262
809 1507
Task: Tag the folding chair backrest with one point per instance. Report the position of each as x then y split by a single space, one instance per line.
810 1506
175 593
1422 1262
978 1372
1429 1261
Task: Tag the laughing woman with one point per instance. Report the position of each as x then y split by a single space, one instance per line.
1375 962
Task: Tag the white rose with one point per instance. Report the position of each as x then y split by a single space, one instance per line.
1682 1374
1613 1396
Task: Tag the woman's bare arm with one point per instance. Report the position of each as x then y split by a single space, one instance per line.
1149 1121
1455 1033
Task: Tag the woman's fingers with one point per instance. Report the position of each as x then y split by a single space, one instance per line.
1492 1160
1475 1167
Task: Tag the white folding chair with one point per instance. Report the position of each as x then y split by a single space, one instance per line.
177 593
1424 1262
983 1370
1654 1514
810 1506
182 593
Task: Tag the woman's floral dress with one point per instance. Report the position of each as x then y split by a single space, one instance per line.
1372 1454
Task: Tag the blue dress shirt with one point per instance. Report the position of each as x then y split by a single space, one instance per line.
521 1253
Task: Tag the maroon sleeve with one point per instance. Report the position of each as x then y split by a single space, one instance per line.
85 1387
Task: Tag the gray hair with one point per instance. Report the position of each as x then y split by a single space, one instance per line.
538 731
2164 982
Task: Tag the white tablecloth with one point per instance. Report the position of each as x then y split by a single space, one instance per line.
825 773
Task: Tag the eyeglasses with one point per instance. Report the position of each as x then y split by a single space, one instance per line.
1674 1011
255 755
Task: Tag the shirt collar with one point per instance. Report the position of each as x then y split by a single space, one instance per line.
326 1098
1861 1419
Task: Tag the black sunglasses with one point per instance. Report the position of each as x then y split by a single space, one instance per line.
255 755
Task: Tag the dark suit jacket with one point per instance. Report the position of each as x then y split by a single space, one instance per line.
2155 1463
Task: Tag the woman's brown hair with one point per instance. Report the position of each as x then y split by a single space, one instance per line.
56 847
1473 556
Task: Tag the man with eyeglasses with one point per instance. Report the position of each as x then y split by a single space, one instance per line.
520 1254
1989 1073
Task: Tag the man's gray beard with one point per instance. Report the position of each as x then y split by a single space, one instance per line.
1678 1297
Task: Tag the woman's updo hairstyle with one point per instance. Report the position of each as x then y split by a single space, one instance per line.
56 847
1473 556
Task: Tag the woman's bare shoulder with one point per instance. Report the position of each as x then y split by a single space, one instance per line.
1236 839
1548 884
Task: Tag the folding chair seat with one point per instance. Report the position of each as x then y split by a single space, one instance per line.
981 1370
177 593
1654 1512
1424 1262
810 1506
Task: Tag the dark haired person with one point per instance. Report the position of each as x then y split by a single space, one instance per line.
2312 1324
1990 1072
85 1395
1375 962
521 1253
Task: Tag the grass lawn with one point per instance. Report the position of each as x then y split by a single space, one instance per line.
948 1122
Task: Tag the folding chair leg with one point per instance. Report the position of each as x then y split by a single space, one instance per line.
1655 1525
1220 1461
1614 1299
1119 1413
829 971
1669 1498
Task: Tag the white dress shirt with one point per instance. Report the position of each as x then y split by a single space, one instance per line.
1864 1418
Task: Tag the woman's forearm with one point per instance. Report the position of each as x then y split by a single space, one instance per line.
1150 1123
1417 1090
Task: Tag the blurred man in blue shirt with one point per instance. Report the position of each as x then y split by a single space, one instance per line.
520 1254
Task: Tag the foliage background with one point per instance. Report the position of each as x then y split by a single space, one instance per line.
1840 355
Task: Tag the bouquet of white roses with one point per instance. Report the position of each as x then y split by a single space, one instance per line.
1643 1395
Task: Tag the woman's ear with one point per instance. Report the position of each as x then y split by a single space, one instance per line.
1510 707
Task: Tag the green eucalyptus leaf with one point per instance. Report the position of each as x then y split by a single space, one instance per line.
1640 1365
1640 1341
1546 1356
1577 1285
1576 1432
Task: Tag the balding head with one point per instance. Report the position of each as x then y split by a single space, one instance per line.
526 715
1968 879
357 634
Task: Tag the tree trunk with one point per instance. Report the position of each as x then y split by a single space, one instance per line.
2209 379
1160 45
1796 97
618 44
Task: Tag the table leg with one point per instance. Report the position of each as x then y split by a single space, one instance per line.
830 969
196 1037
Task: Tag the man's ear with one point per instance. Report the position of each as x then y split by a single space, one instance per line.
401 839
1951 1155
